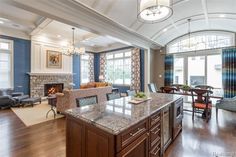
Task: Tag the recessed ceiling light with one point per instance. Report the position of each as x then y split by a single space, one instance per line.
1 22
58 36
164 30
222 15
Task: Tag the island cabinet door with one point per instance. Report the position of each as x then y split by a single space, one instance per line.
138 148
75 145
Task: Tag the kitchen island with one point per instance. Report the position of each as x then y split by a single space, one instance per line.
117 128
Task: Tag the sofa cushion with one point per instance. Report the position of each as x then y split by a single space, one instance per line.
101 84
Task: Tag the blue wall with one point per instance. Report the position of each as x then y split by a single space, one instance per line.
22 49
76 71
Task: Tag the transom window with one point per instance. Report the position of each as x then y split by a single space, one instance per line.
84 68
6 63
118 68
201 41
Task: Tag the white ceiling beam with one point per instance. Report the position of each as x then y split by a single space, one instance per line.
205 11
41 24
79 15
16 20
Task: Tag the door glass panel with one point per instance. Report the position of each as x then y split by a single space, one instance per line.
214 73
179 71
196 70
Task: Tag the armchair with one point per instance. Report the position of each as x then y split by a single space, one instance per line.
6 102
228 104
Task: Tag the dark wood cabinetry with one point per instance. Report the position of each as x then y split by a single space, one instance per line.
147 138
138 148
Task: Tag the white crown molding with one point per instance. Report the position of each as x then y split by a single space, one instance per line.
79 15
14 33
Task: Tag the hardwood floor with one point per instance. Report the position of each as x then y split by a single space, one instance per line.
42 140
197 139
201 139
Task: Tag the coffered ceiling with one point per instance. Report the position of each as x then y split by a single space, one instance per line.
14 18
118 18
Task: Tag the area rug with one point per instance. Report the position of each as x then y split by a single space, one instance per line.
34 115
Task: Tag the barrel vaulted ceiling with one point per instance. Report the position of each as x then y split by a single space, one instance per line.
204 14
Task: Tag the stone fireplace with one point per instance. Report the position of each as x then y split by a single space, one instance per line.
39 80
53 88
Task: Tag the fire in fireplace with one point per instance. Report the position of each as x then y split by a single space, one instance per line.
53 88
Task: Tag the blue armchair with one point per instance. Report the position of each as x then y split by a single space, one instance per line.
6 102
228 104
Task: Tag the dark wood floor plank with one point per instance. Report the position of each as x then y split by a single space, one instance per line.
198 138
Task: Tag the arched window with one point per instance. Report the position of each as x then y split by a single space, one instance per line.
201 41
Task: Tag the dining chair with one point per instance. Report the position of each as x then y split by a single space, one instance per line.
204 87
112 96
168 89
152 87
130 92
201 105
177 86
89 100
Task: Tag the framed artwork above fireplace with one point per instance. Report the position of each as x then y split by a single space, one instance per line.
54 59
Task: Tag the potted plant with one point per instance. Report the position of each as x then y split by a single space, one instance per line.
185 88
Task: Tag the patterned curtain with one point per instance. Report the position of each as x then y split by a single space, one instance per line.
135 69
91 67
229 72
169 73
103 65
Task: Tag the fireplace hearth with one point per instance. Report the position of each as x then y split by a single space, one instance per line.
53 88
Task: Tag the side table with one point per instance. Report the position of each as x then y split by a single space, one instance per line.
52 101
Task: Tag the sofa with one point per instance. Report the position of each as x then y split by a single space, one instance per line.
9 98
67 99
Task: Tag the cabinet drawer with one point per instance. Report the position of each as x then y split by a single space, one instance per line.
155 135
156 151
131 134
155 118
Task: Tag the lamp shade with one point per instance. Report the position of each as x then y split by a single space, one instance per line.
154 10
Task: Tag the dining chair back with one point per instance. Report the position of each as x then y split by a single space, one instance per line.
130 92
112 96
89 100
152 87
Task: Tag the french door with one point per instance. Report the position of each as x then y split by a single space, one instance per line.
198 69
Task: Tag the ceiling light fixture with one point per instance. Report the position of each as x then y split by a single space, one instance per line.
58 36
189 33
72 49
222 15
164 30
152 11
1 22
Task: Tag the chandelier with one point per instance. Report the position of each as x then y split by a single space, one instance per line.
72 49
151 11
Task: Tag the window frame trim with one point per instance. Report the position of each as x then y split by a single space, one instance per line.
120 58
11 50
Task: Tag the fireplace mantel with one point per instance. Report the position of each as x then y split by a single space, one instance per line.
47 74
38 80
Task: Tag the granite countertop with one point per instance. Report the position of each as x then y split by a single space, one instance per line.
117 115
